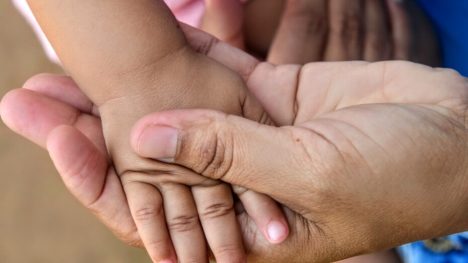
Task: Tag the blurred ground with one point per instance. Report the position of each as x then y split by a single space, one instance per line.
39 220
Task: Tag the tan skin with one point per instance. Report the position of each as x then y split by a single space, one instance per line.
129 68
349 167
75 64
303 31
383 198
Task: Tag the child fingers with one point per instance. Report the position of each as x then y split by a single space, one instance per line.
146 206
183 223
266 214
215 206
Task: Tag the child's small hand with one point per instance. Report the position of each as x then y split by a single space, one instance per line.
131 58
159 194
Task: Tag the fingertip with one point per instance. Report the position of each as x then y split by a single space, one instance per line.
12 110
277 232
5 106
62 88
37 81
266 213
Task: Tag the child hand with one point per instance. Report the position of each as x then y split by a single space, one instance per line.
160 194
131 59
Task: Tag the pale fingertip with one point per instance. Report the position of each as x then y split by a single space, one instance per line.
277 232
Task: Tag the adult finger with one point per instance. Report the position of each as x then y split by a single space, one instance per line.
224 20
85 172
302 33
346 30
401 29
39 118
235 150
62 88
377 39
34 116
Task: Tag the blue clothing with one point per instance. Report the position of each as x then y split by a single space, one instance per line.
451 249
450 18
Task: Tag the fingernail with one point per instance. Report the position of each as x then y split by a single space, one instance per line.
167 261
276 231
158 142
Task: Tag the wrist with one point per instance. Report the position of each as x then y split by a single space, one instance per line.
151 80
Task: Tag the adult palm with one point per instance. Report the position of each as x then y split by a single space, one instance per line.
365 155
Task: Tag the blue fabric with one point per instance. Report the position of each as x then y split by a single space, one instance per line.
455 246
450 18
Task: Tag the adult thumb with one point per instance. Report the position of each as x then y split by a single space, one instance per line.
220 146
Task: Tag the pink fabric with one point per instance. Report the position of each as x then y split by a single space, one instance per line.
187 11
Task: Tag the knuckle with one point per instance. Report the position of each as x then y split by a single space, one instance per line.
156 247
183 223
147 213
127 235
217 210
229 253
205 47
215 154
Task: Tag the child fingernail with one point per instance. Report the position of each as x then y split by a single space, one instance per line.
276 231
158 142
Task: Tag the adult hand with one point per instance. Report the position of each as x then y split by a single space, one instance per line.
302 31
369 156
56 101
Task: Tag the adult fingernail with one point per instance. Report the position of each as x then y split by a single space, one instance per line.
158 142
276 232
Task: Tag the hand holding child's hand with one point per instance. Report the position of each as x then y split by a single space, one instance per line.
131 59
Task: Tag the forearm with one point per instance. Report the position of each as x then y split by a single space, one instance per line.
100 41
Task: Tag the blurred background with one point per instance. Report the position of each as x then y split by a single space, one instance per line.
39 220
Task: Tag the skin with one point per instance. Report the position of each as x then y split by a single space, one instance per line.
383 198
289 29
365 157
303 31
137 61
